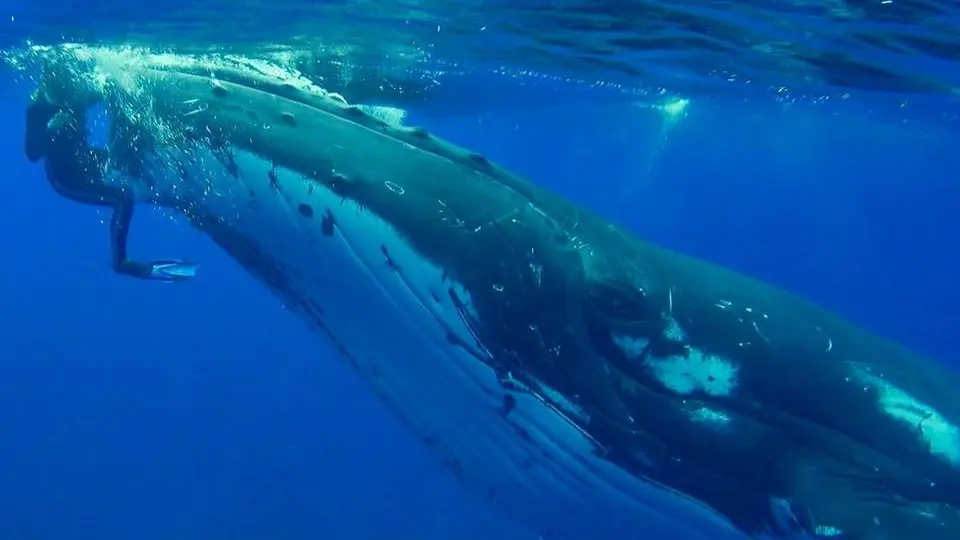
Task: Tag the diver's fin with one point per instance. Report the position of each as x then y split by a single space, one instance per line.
171 270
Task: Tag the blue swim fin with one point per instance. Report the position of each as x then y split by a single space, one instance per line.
172 270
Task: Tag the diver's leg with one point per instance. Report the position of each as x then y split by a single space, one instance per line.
119 231
164 270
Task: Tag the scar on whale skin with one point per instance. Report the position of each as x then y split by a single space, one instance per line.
327 223
391 264
274 182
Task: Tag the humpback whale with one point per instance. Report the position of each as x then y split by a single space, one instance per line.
593 385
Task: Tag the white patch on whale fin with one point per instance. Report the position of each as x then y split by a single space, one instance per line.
940 436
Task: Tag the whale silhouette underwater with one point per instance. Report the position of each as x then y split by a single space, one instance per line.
593 385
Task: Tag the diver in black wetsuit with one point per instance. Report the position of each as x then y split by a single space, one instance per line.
75 171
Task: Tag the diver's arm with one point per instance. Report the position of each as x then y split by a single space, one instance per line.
75 171
165 270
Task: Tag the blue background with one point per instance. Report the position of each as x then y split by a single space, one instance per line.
205 410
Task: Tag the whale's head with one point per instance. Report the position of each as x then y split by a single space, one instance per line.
473 303
430 269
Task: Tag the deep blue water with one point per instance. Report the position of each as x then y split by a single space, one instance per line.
204 410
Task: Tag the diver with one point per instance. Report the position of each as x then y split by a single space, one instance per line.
75 170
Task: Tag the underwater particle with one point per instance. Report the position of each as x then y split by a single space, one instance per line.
305 210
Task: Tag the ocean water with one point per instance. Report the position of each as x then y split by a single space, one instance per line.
810 143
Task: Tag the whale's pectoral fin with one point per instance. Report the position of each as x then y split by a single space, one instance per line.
828 504
851 502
